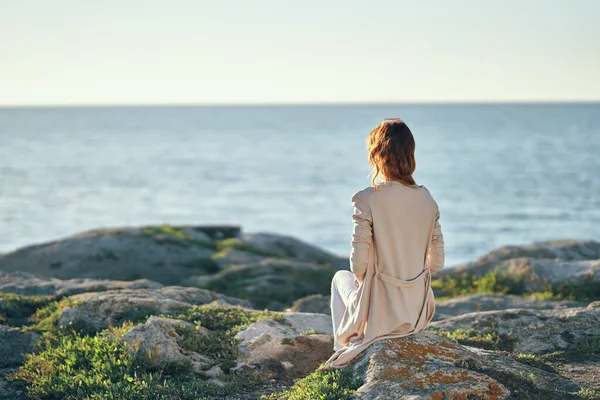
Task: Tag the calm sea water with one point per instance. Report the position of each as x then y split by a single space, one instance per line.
502 174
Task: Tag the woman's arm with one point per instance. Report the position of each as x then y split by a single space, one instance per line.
362 237
435 253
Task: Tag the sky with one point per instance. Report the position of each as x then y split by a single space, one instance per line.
74 52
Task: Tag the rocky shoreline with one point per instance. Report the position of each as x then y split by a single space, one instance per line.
193 312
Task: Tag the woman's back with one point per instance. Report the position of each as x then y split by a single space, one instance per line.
402 218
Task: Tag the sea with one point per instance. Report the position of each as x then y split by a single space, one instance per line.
501 173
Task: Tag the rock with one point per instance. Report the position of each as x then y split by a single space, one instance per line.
531 331
563 250
232 256
488 302
425 366
163 254
316 303
157 342
13 344
289 247
170 255
594 305
10 390
535 274
272 283
34 285
214 372
296 346
95 311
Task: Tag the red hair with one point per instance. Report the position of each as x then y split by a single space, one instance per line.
391 148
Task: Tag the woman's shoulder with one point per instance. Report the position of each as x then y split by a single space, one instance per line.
380 190
364 193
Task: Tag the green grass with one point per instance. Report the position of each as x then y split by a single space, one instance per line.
16 309
503 283
311 332
176 236
588 291
45 319
334 384
72 365
225 245
587 394
223 324
467 284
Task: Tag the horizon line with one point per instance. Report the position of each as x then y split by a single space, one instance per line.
301 104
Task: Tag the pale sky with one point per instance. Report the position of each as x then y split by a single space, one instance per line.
73 52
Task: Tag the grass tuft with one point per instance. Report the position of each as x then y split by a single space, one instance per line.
504 283
334 384
16 309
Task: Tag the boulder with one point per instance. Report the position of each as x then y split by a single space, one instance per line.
292 348
488 302
560 250
426 366
157 343
272 283
594 305
532 331
10 390
162 254
292 248
34 285
316 303
13 344
170 255
92 312
535 274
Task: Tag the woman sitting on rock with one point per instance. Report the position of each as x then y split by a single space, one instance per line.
397 244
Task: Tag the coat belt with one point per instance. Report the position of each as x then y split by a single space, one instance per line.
402 283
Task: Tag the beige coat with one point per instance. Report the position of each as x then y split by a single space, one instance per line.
397 244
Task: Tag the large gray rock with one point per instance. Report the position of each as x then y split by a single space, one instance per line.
93 312
34 285
289 247
14 343
425 366
532 331
559 250
272 283
535 274
170 255
10 390
157 342
164 255
297 345
488 302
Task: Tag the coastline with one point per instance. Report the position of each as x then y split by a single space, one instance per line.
244 315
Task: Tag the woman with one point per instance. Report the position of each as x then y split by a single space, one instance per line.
397 244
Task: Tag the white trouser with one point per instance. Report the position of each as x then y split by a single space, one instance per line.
342 286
